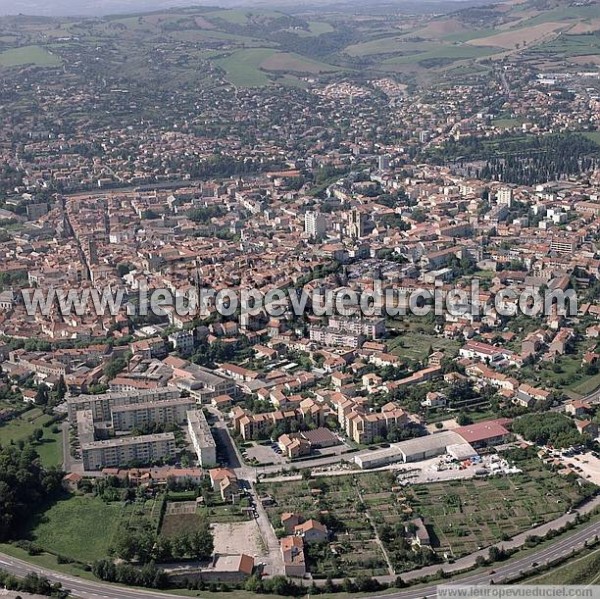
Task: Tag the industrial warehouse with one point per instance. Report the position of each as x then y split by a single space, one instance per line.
460 443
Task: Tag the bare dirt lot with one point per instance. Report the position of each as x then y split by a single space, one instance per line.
237 537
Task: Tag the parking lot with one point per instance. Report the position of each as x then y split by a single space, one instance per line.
586 464
265 454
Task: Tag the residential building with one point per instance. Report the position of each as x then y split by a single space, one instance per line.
122 451
202 438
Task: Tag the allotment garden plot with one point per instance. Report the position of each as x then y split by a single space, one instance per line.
460 516
334 502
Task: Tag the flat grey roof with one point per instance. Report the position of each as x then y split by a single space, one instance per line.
124 441
430 442
179 401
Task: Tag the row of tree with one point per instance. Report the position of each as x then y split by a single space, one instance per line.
141 543
32 583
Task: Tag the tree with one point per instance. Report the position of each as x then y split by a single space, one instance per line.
42 396
61 388
114 367
24 487
201 542
463 419
550 428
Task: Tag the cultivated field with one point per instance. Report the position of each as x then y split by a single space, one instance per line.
356 548
520 37
465 515
186 516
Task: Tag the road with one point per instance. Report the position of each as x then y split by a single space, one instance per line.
67 459
274 560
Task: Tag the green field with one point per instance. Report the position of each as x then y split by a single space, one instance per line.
588 385
205 35
563 15
243 17
389 45
248 67
47 561
81 528
466 36
320 27
569 45
242 67
507 123
593 135
35 55
441 55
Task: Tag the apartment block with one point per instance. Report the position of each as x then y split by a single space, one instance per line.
86 431
315 224
336 338
123 451
202 439
102 405
170 411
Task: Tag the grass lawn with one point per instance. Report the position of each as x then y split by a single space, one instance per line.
22 427
36 55
415 346
50 449
588 385
81 528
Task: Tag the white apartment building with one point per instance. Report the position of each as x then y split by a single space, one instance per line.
202 439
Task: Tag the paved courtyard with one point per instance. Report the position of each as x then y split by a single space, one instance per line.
264 454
